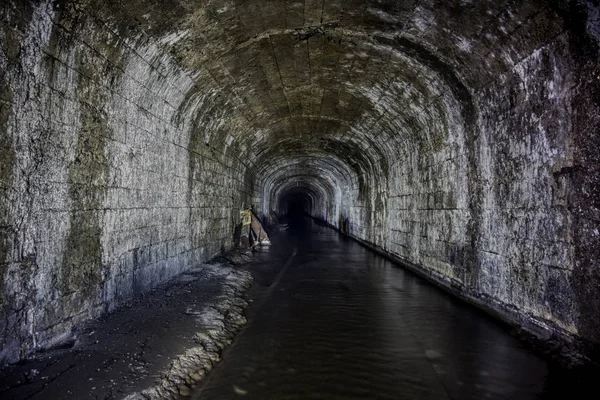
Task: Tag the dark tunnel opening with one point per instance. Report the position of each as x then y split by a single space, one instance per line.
294 208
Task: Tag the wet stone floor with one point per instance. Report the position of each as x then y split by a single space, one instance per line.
341 322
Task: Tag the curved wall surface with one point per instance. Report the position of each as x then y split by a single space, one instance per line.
459 137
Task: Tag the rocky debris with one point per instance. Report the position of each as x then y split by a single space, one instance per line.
160 344
222 321
238 257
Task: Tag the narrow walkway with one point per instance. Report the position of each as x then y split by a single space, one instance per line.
341 322
145 343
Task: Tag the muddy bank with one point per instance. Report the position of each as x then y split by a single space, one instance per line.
159 345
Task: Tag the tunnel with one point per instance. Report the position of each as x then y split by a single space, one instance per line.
296 203
459 139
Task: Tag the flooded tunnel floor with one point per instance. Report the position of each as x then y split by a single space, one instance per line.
341 322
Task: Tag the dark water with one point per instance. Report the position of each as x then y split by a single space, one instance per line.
340 322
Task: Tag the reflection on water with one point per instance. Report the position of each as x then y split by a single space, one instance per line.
344 323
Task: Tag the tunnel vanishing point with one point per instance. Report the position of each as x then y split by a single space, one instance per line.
460 138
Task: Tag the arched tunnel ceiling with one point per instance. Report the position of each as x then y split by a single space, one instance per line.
317 82
363 81
324 176
458 135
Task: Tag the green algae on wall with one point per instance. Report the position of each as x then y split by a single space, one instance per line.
7 159
81 270
9 56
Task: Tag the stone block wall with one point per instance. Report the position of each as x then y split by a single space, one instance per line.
460 137
494 211
109 185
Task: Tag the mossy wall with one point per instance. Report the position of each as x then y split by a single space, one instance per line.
108 185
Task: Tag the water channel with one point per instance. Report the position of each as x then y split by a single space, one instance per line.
341 322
